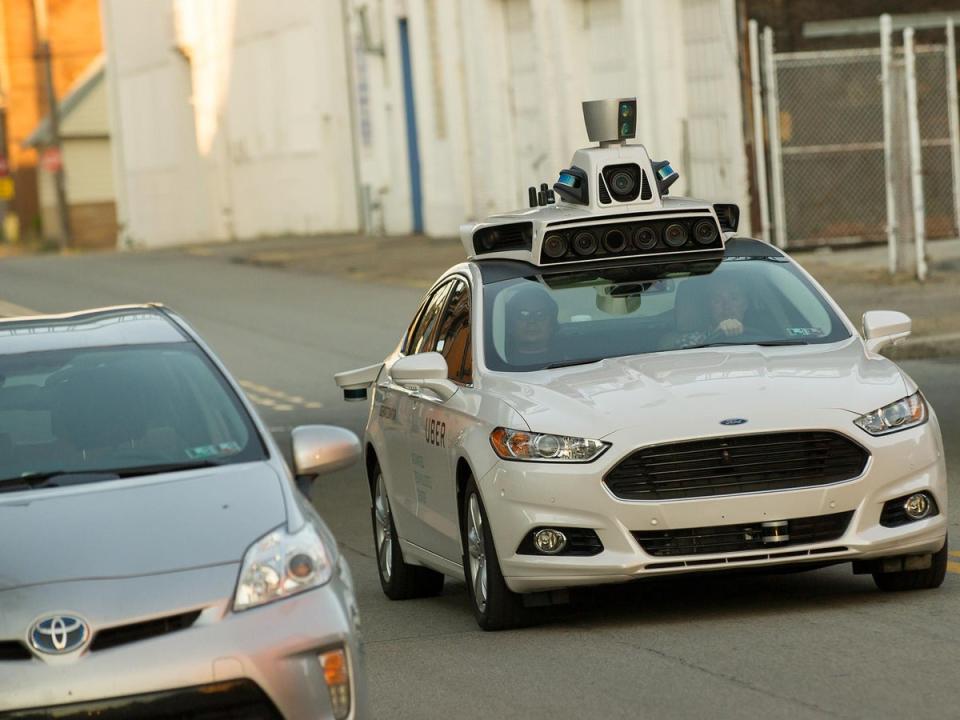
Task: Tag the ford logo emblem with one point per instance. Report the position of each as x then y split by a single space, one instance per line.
58 634
733 421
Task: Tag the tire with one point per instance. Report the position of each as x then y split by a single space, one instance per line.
399 580
495 606
927 579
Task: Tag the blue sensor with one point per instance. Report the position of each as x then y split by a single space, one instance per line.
568 180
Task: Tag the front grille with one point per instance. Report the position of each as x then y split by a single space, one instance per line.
125 634
738 538
736 464
233 700
13 650
580 541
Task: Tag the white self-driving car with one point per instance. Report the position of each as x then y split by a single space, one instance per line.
615 390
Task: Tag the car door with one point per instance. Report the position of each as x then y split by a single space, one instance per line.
441 424
397 410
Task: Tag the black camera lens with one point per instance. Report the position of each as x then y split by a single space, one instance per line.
623 181
645 238
554 246
705 232
614 241
675 235
585 243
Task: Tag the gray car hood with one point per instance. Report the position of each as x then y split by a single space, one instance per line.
137 526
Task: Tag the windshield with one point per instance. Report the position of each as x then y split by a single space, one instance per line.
116 409
552 320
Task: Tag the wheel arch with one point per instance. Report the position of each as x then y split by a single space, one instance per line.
372 462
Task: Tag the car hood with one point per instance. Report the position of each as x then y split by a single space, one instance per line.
137 526
775 384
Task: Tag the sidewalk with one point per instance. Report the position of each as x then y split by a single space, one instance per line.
856 277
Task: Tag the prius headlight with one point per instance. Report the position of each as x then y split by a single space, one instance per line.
544 447
900 415
281 564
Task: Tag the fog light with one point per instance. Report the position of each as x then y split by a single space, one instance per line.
550 542
336 673
917 506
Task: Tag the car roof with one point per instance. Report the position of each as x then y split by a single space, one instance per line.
737 247
102 327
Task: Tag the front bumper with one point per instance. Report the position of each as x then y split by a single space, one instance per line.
522 496
271 650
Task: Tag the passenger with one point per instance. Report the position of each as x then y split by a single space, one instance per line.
531 324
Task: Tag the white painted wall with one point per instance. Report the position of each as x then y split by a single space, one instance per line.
289 117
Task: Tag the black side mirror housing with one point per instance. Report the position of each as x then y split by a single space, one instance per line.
729 216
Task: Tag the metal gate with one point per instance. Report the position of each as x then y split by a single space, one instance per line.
831 146
831 159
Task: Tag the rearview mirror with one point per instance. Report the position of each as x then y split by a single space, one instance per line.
322 449
424 370
884 327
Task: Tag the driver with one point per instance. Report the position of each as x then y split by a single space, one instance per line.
728 305
706 312
531 323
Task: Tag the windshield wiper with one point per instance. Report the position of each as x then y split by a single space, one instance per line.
571 363
762 343
60 478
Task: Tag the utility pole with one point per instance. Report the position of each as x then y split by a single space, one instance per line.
44 56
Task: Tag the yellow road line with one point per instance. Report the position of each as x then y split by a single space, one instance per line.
276 400
955 553
953 567
9 309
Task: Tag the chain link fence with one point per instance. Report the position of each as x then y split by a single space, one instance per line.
934 139
832 144
831 134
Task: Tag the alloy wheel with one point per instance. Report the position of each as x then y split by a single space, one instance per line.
477 552
384 530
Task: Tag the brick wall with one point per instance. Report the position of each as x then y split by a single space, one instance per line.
74 28
787 17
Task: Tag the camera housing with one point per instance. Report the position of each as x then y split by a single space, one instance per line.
611 204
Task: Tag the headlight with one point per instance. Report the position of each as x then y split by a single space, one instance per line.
279 565
900 415
541 447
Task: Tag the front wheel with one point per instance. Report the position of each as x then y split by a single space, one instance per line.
931 577
495 606
399 580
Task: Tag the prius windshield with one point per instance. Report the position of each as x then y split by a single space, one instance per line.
545 321
108 412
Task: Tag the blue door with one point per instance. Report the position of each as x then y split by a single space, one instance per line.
413 149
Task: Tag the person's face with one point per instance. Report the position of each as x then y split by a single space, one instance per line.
532 324
728 303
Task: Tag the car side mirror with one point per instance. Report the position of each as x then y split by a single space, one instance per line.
424 370
884 327
322 449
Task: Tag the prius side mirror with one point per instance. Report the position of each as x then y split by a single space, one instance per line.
322 449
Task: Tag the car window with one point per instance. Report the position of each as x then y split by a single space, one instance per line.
120 407
534 322
421 340
453 334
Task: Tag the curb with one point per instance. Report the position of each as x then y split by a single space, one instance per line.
925 347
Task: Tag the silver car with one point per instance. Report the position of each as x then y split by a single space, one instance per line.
158 559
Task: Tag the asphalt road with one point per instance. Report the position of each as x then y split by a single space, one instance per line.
810 645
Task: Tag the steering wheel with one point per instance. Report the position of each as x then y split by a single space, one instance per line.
748 334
